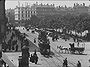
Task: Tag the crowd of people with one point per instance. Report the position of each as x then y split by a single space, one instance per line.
34 58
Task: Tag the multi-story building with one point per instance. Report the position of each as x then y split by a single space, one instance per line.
80 8
45 10
41 10
22 13
76 9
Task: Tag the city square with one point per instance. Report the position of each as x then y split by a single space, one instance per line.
44 33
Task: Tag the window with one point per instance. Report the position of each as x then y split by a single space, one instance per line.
22 11
22 15
31 11
18 18
28 15
18 11
34 12
26 12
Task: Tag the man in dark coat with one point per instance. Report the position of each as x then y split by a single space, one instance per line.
65 64
78 64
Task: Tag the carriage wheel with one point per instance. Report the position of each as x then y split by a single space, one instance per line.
72 52
79 52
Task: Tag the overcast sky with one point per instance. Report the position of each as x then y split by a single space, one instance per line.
69 3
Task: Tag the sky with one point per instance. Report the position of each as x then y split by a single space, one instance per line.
68 3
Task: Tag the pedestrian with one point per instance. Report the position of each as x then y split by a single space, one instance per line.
16 48
53 39
78 44
34 52
34 40
78 64
31 59
65 63
35 59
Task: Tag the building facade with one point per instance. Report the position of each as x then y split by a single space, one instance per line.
41 10
22 13
80 8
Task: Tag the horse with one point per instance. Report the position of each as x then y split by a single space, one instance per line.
63 48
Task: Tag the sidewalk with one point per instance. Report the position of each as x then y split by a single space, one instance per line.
42 62
7 60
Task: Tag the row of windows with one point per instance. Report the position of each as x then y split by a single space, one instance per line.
25 15
29 12
22 18
45 9
17 16
25 12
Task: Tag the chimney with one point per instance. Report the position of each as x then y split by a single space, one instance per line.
74 5
53 4
18 4
65 6
36 3
47 3
41 4
83 4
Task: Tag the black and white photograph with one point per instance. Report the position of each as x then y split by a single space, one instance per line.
44 33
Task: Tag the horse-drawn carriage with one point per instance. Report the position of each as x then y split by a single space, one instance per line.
77 49
73 49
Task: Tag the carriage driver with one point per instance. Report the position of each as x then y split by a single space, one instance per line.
78 44
71 45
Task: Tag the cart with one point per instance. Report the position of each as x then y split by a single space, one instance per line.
77 49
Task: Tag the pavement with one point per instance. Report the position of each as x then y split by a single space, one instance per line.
57 59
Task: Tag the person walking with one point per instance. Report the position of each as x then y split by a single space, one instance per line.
34 40
16 47
79 64
78 44
36 59
32 59
65 63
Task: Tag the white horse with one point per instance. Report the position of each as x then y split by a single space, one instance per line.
61 48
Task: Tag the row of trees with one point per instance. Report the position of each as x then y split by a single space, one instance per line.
69 22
